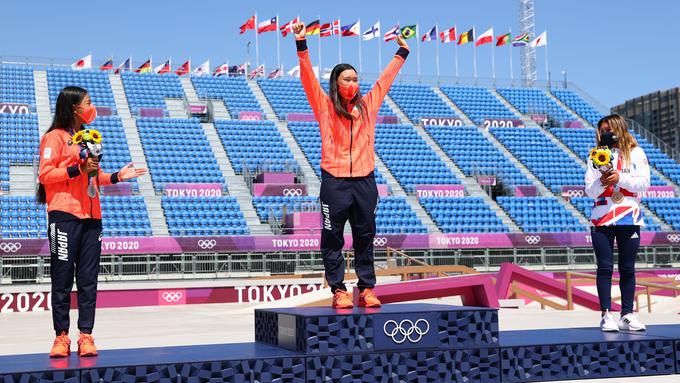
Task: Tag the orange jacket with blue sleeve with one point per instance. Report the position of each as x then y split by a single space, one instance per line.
347 146
65 186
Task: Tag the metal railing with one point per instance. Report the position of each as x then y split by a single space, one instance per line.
654 140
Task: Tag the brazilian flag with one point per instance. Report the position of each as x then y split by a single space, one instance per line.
408 31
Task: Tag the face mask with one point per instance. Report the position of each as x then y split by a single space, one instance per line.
348 91
608 139
87 116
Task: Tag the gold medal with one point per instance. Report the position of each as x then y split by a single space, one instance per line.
617 197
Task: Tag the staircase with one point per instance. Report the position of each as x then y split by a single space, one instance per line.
42 101
563 105
220 111
393 105
176 108
22 180
146 189
466 120
262 100
525 119
189 90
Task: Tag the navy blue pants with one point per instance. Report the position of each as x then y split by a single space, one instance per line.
354 199
75 248
628 242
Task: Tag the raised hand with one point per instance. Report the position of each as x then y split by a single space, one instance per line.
402 42
300 31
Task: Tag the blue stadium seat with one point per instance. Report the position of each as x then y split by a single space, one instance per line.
463 215
540 214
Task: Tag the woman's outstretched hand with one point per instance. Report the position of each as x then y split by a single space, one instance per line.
129 171
402 42
300 31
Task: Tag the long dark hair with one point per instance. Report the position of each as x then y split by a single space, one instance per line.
336 99
63 119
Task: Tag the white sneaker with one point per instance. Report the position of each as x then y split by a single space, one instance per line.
607 323
631 323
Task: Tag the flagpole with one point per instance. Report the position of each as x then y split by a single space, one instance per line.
379 50
510 47
278 44
418 51
319 16
474 53
547 71
339 40
436 41
455 51
493 61
257 44
361 37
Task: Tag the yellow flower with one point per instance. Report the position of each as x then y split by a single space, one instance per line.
96 136
601 156
86 136
78 137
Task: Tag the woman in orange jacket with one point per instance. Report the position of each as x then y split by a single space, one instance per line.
348 191
74 218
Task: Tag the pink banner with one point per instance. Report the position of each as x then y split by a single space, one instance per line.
526 191
198 108
442 121
275 178
121 188
486 180
539 118
502 123
288 190
192 190
104 111
387 120
383 190
653 191
449 191
572 124
304 222
252 116
9 108
300 117
151 112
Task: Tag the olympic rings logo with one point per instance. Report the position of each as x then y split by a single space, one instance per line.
379 241
172 296
296 192
575 193
532 239
406 329
673 237
206 243
10 247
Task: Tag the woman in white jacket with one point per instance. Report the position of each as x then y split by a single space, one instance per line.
617 216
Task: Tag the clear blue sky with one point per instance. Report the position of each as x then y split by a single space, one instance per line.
614 49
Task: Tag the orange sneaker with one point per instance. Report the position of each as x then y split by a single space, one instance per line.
61 347
86 345
342 300
367 298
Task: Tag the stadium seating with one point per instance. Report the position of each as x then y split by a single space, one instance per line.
17 86
578 105
95 82
585 206
535 101
19 142
177 150
21 217
666 165
266 206
475 154
285 96
234 91
409 158
540 214
116 150
395 216
365 87
463 215
255 143
149 90
197 216
668 209
418 100
541 156
478 103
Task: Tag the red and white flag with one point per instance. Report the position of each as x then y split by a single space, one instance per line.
202 69
222 70
540 41
278 72
288 27
184 68
485 38
165 68
330 29
267 25
448 36
250 24
83 63
392 34
257 72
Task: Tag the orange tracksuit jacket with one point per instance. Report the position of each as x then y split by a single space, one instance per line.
347 147
65 186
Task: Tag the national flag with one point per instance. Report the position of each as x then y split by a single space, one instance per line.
267 25
431 35
124 66
540 41
165 68
108 65
144 68
278 72
353 29
448 36
288 27
408 31
202 69
466 37
330 29
184 68
250 24
372 33
257 72
503 40
221 70
313 28
241 69
294 71
485 38
392 34
83 63
521 40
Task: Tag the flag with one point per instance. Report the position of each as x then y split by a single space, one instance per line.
485 38
313 28
184 68
330 29
241 69
144 68
540 41
165 68
353 29
108 65
257 72
503 40
431 35
448 36
466 37
250 24
83 63
408 31
372 33
392 34
222 69
267 25
202 69
521 40
294 71
325 73
124 66
278 72
288 27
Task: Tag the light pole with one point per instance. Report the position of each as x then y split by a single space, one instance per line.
564 73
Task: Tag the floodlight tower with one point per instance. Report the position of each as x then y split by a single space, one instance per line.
528 54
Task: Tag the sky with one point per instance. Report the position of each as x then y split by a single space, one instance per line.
614 50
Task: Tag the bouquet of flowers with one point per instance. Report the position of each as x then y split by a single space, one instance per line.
90 142
601 157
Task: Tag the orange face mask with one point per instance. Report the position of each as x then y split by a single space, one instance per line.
87 114
348 91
